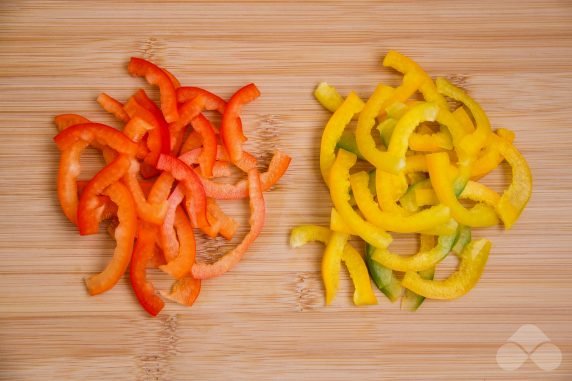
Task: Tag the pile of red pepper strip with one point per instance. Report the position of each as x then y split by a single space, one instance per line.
179 153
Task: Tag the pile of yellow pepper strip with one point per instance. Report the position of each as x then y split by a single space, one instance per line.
425 159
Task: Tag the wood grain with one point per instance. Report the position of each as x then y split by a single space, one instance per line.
266 319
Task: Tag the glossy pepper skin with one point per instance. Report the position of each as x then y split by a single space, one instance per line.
156 76
124 235
473 260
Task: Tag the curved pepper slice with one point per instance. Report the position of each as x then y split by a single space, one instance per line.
473 142
68 172
257 217
423 260
161 137
383 277
64 121
188 93
144 252
410 300
208 154
156 76
192 184
182 264
96 132
480 215
223 191
473 191
491 157
435 142
194 106
473 260
185 290
423 220
363 294
231 129
331 264
333 131
168 235
339 191
124 235
113 106
328 96
389 189
516 196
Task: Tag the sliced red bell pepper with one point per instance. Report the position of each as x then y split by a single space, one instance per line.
69 170
185 291
113 106
96 132
144 253
156 76
181 265
143 99
231 128
90 208
257 217
221 191
124 235
208 154
168 235
189 110
192 185
161 188
194 140
147 211
188 93
225 225
64 121
172 78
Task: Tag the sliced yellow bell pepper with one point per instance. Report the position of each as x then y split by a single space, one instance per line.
472 143
328 96
463 117
412 80
334 130
389 189
423 260
473 260
363 294
435 142
414 223
331 263
473 191
480 215
339 192
337 223
516 196
411 300
491 157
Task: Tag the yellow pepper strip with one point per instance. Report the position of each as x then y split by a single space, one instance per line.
472 143
384 278
301 235
363 294
410 300
409 200
423 260
334 130
411 82
397 109
328 96
400 138
473 191
337 223
491 158
462 240
389 189
473 260
435 142
366 143
463 117
339 192
479 216
447 228
414 223
331 264
516 196
415 163
385 129
406 65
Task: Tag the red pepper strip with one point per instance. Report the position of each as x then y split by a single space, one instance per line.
185 291
113 106
161 188
147 211
136 128
144 253
124 235
68 172
95 132
209 151
231 130
225 225
109 210
193 141
159 121
64 121
157 259
191 183
172 78
257 216
276 169
182 264
90 208
168 236
188 93
156 76
192 108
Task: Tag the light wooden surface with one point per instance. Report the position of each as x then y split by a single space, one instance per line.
266 319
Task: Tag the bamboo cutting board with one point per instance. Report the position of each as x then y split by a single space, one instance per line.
266 319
